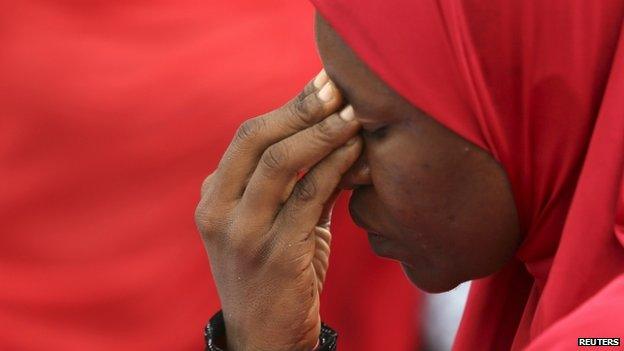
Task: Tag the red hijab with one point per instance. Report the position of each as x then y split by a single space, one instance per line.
111 114
538 84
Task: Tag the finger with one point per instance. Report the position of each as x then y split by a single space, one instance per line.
301 213
308 108
254 136
325 219
273 180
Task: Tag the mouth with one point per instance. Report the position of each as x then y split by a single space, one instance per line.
376 238
380 244
359 220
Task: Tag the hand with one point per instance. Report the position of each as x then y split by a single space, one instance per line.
265 230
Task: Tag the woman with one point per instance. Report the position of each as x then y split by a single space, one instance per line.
491 145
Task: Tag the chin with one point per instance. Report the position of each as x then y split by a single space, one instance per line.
428 281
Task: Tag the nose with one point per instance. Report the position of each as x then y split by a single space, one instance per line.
358 175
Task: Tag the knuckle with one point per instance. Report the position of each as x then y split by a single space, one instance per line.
203 219
300 109
306 189
250 129
210 220
324 131
206 184
275 158
308 89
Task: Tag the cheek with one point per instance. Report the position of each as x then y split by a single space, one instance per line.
397 188
405 177
412 183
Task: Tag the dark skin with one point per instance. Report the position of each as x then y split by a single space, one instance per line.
429 199
441 205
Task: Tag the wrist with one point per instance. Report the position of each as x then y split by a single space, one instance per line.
217 339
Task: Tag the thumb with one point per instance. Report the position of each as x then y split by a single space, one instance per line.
325 219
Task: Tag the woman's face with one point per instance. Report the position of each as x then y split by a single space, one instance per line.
429 199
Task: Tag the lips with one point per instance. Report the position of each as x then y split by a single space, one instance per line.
375 238
381 244
357 218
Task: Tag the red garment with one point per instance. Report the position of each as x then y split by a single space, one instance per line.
538 84
111 115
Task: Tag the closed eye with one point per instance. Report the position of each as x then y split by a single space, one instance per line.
376 133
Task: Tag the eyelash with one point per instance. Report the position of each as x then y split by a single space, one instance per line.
377 133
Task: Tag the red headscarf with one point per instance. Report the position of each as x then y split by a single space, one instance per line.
111 114
538 84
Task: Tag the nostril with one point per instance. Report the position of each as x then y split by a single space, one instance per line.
359 174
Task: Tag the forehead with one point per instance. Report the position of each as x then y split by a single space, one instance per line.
360 86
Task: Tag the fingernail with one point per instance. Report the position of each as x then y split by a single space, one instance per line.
352 140
320 79
326 93
347 113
